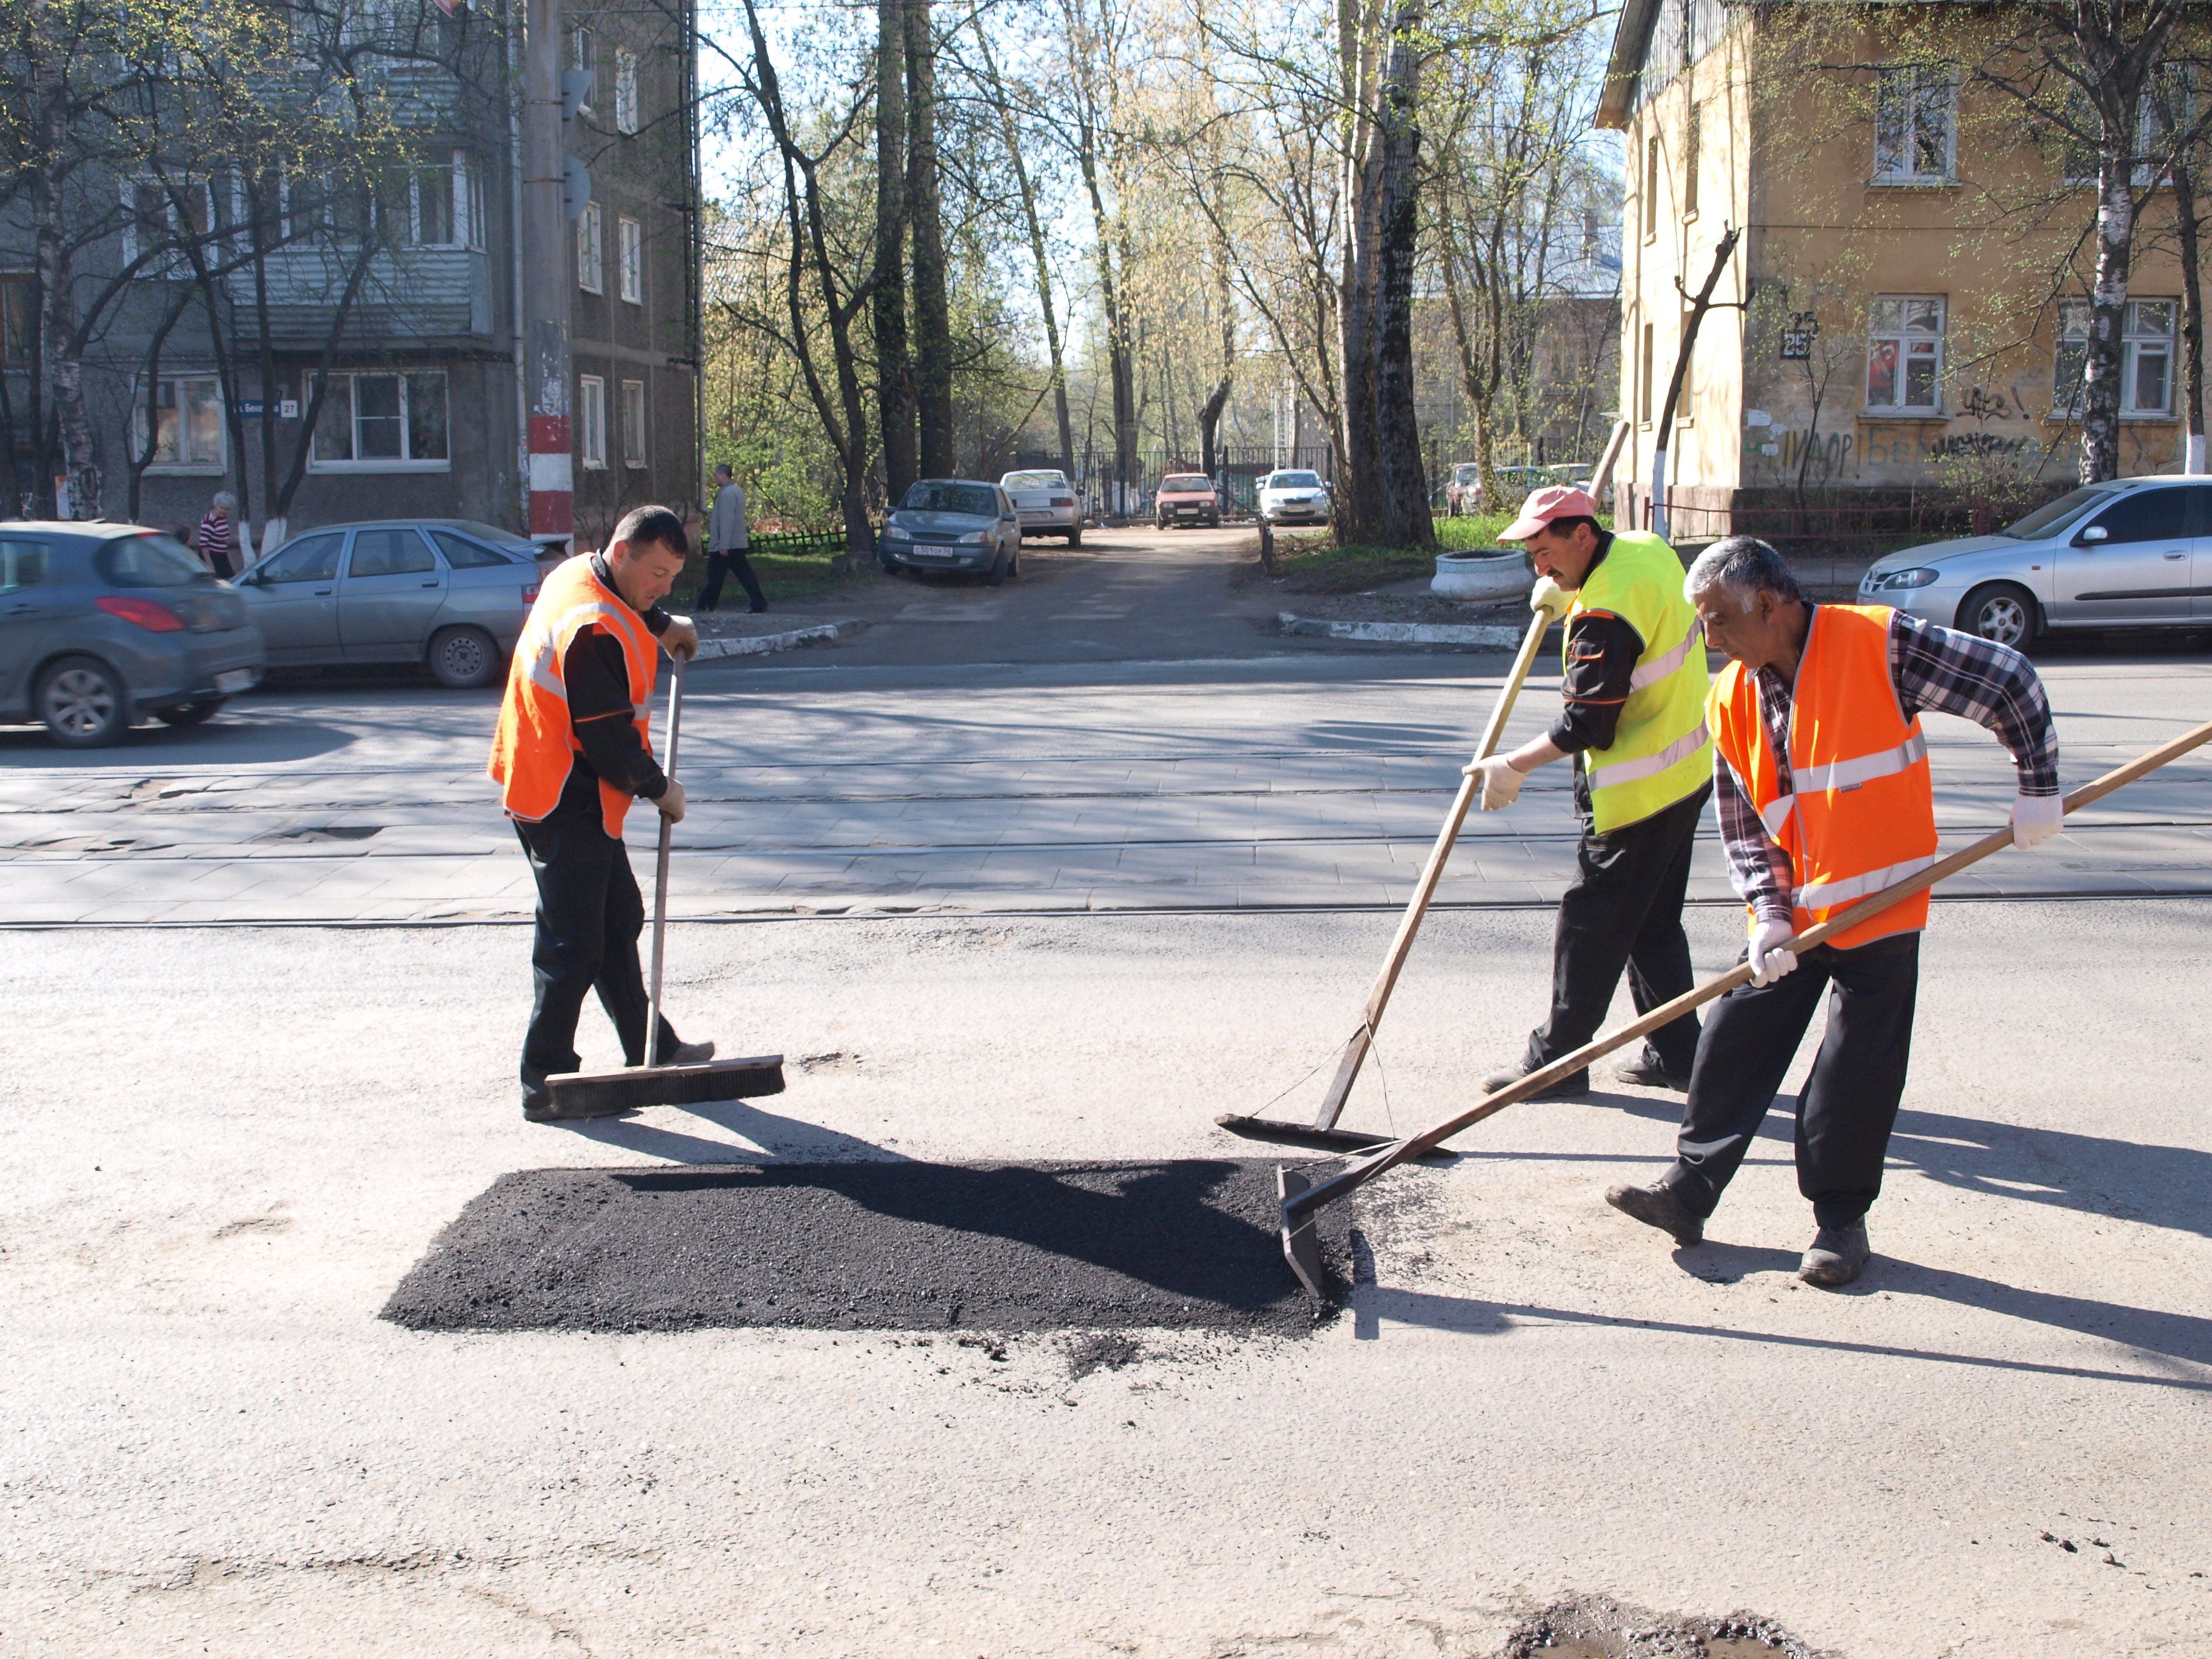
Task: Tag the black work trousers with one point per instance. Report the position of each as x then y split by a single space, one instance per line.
719 565
589 917
1849 1104
1625 910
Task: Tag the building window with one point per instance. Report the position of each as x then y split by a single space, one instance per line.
157 217
580 49
1651 188
188 427
1692 143
592 421
630 240
625 89
633 413
1904 355
468 198
1686 405
591 254
1915 126
1644 374
382 423
2146 359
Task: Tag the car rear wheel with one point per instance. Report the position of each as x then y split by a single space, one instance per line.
463 659
1075 536
83 703
190 713
2002 613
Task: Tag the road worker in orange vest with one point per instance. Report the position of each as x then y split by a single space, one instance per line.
572 749
1822 783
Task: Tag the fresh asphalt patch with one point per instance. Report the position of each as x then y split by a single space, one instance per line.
1188 1245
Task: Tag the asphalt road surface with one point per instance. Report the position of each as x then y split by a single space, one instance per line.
231 1145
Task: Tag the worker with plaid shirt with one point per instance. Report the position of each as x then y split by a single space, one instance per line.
1822 787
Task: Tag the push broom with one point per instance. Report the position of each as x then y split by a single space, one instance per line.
1323 1132
1302 1199
602 1094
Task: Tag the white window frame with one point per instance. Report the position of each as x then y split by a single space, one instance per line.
625 90
468 201
1908 98
591 249
142 411
401 463
1907 342
2136 341
592 423
635 436
2145 136
629 258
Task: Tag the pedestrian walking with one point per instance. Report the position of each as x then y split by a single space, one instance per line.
213 538
726 544
572 749
1633 712
1824 795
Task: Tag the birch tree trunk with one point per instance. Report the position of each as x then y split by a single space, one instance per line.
2108 303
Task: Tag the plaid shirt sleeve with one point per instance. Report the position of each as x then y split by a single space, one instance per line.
1758 869
1991 684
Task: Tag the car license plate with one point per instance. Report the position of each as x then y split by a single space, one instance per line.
233 680
1036 517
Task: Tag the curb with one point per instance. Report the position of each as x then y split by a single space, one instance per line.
759 644
1399 633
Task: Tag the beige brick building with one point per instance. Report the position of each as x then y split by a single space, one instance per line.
1905 310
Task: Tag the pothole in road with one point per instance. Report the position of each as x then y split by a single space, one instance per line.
1188 1244
1596 1627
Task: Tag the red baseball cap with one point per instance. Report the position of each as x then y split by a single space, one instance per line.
1553 502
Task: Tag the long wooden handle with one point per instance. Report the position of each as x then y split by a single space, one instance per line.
1543 1077
660 871
1402 944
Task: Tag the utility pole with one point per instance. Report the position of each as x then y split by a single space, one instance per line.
546 276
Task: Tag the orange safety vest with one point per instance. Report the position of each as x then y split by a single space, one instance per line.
1861 811
535 748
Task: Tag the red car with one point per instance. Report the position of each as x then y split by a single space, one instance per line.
1186 498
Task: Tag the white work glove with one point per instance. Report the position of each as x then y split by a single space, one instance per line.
680 638
672 802
2036 819
1769 961
1548 597
1501 784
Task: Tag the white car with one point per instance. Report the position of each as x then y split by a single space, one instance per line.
1046 503
1293 497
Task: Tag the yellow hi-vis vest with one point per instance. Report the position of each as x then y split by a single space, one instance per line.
1661 752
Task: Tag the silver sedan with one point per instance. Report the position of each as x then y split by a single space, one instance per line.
2133 553
449 593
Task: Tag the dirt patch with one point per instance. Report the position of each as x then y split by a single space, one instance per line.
1190 1244
1596 1627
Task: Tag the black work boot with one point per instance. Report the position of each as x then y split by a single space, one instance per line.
1648 1071
1659 1206
1836 1255
1573 1086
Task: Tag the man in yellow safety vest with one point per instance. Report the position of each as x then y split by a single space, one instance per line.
1634 710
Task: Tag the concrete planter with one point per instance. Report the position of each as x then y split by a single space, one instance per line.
1483 575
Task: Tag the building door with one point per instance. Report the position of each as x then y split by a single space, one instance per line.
2140 573
394 585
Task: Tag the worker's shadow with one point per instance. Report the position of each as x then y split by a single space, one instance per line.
779 1138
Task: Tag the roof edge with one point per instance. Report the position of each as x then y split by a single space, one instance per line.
1632 39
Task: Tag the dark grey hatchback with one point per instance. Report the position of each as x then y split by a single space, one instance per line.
101 624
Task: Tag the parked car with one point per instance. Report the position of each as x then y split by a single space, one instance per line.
1186 498
953 524
1293 497
101 624
449 593
1463 492
1046 503
2133 553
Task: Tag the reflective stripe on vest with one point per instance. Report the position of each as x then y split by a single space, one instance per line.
534 749
1860 814
1660 749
